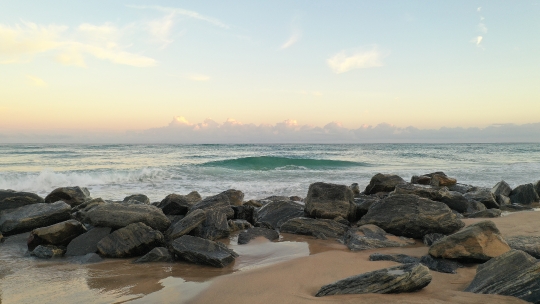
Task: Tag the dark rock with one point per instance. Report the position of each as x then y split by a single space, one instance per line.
399 258
78 210
455 200
236 197
212 202
430 238
501 188
133 240
47 252
412 216
355 189
117 215
342 221
370 236
235 225
185 225
72 196
245 212
136 199
1 238
59 234
383 183
480 242
10 199
461 188
158 254
215 225
475 206
484 196
502 200
314 227
201 251
296 198
489 213
29 217
421 180
429 192
529 244
248 235
515 208
537 187
253 203
329 201
397 279
175 204
514 273
88 258
174 219
524 195
362 205
458 215
86 243
274 214
440 265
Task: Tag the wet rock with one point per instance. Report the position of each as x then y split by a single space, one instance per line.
397 279
484 196
158 254
524 195
117 215
489 213
175 204
440 265
383 183
72 196
421 180
329 201
430 238
133 240
201 251
57 234
185 225
274 214
370 236
412 216
86 243
236 197
481 241
399 258
314 227
362 205
245 212
514 273
501 188
528 244
47 252
79 210
355 189
29 217
136 199
215 225
235 225
252 233
88 258
10 199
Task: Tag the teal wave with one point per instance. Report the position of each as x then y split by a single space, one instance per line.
274 162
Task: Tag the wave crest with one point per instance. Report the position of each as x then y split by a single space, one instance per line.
281 163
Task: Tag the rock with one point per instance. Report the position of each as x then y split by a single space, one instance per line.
370 236
59 234
314 227
136 199
537 187
245 212
201 251
296 198
174 219
412 216
29 217
431 238
78 210
133 240
397 279
399 258
10 199
86 243
274 214
456 201
514 273
235 225
215 225
88 258
484 196
528 244
253 203
362 205
117 215
383 183
355 189
1 238
421 180
479 242
329 201
461 188
185 225
429 192
236 197
72 196
440 179
515 208
524 195
440 265
342 221
474 207
158 254
248 235
501 188
47 252
502 200
489 213
213 202
175 204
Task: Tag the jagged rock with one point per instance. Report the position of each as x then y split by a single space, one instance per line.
362 204
529 244
355 189
201 251
397 279
474 207
253 203
245 212
236 197
412 216
524 195
86 243
29 217
370 237
421 180
274 214
514 273
47 252
175 204
235 225
314 227
248 235
461 188
439 179
158 254
501 188
10 199
136 199
399 258
440 265
489 213
383 183
481 241
215 225
484 196
133 240
59 234
329 201
431 238
117 215
88 258
72 196
185 225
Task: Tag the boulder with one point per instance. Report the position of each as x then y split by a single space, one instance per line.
235 225
117 215
528 244
175 204
296 198
474 207
455 201
399 258
537 187
440 265
501 188
201 251
213 202
412 216
29 217
59 234
88 258
248 235
479 242
215 225
133 240
158 254
489 213
502 200
253 203
321 228
275 213
429 192
397 279
329 201
136 199
431 238
440 179
421 180
514 273
10 199
236 197
524 195
86 243
245 212
370 236
72 196
383 183
185 225
1 238
47 252
461 188
484 196
362 203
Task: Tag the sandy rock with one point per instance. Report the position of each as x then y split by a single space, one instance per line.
133 240
274 214
59 234
421 180
383 183
201 251
86 243
10 199
355 189
321 228
329 201
158 254
116 215
29 217
72 196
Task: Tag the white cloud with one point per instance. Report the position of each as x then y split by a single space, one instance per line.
160 29
479 9
36 81
183 12
295 36
477 40
347 60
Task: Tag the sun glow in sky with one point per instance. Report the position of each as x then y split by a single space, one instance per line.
117 65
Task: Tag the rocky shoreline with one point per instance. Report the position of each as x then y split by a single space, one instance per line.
69 224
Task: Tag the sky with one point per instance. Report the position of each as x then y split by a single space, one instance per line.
199 70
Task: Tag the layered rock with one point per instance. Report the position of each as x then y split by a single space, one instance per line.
87 242
72 196
321 228
236 197
117 215
215 225
201 251
186 224
57 234
252 233
158 254
383 183
133 240
10 199
431 238
274 214
329 201
439 265
29 217
398 258
454 200
524 195
489 213
362 203
528 244
175 204
370 236
484 196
